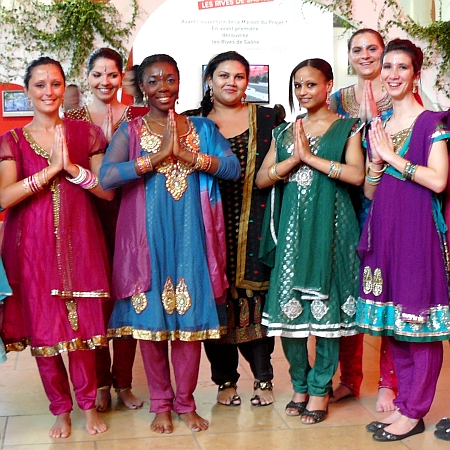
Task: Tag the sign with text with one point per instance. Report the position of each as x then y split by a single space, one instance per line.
208 4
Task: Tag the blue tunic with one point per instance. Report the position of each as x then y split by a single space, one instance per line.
180 302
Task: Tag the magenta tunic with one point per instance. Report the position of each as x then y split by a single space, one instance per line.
54 252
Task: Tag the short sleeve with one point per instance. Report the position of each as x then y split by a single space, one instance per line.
8 146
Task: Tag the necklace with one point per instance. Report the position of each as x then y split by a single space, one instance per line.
161 124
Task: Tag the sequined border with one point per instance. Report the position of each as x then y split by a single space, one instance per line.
65 346
149 335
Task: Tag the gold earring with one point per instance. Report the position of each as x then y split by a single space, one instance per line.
211 94
414 89
145 99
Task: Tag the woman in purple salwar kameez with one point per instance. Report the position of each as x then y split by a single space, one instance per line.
403 277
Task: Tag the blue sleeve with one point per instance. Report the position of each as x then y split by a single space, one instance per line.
116 170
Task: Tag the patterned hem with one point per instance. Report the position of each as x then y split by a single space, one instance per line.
307 333
245 334
335 330
60 347
385 319
167 335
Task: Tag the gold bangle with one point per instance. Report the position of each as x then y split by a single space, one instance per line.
370 167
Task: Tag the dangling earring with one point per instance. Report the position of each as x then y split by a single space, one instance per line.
243 101
211 94
328 101
382 87
414 89
145 99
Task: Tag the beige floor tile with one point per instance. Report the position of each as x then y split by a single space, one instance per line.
54 446
354 438
154 443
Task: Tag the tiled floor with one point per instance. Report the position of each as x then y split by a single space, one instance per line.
25 419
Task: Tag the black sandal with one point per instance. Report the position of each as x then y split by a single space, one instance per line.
318 415
299 406
263 386
235 400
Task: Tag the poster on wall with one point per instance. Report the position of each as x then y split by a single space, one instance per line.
273 34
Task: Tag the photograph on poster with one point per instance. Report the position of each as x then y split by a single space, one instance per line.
15 103
258 86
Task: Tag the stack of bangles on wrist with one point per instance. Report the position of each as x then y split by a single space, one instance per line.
200 161
410 170
85 179
33 185
144 164
335 170
273 174
374 180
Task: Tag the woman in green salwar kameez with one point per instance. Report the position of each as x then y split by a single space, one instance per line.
311 235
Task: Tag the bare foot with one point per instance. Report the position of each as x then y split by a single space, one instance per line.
315 404
296 398
194 422
162 423
94 425
402 425
341 392
103 399
129 399
62 426
228 396
385 400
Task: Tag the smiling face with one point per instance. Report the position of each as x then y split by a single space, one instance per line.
105 79
397 74
46 88
229 82
161 84
311 88
365 55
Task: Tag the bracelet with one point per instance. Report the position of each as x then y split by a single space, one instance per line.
80 177
370 167
31 184
335 170
409 171
203 162
273 174
144 164
373 181
85 178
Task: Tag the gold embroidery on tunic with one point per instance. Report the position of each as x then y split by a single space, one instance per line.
175 171
183 299
377 282
176 299
168 296
80 294
351 106
367 280
71 306
139 302
82 113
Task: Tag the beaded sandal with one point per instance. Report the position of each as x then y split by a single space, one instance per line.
263 386
235 400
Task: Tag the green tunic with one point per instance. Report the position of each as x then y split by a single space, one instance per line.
310 234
